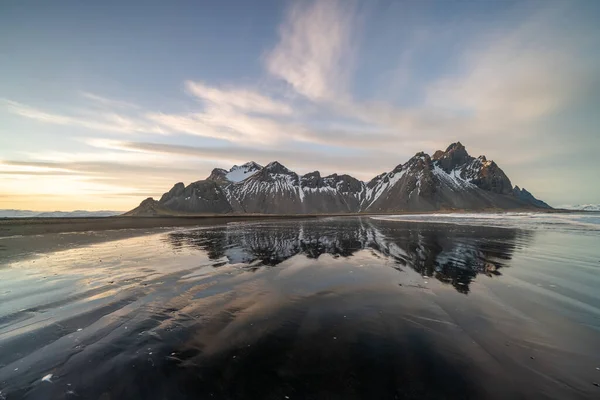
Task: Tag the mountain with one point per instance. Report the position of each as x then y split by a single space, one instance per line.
235 174
448 180
18 213
581 207
528 197
56 214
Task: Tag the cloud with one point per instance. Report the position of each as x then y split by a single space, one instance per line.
101 121
227 124
315 48
244 100
502 86
363 165
104 101
121 177
517 79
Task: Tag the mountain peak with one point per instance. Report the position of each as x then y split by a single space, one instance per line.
454 156
250 165
458 146
418 159
218 175
437 155
237 173
524 195
275 167
450 180
175 191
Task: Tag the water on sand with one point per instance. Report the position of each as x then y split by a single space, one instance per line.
327 308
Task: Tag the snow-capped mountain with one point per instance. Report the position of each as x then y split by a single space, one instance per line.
237 173
450 180
581 207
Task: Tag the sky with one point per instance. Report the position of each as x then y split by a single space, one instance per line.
103 104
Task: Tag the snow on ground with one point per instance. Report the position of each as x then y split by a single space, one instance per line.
581 207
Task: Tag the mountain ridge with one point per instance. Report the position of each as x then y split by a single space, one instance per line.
448 180
14 213
581 207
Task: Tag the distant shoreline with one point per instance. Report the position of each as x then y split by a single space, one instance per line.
39 226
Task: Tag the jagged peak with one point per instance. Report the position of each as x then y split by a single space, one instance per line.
414 160
277 168
454 156
249 165
176 190
346 177
201 182
437 155
217 174
312 174
456 146
253 164
340 178
523 190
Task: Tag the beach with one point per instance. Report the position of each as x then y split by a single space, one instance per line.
472 306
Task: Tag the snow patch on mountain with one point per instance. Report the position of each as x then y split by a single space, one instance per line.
452 179
241 172
387 181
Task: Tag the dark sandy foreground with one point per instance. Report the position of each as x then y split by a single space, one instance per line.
28 237
332 308
39 226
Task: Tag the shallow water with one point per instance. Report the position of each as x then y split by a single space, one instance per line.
325 308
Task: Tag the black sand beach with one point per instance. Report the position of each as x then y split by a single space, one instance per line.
321 308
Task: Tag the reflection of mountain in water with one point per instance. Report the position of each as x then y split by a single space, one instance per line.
451 254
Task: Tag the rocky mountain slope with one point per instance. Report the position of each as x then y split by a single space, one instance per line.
449 180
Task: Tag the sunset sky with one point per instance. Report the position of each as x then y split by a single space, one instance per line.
105 103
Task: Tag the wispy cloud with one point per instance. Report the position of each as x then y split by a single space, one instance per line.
101 121
315 48
505 84
362 165
104 101
227 124
243 100
519 77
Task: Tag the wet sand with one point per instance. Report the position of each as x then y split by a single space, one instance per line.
40 226
322 308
